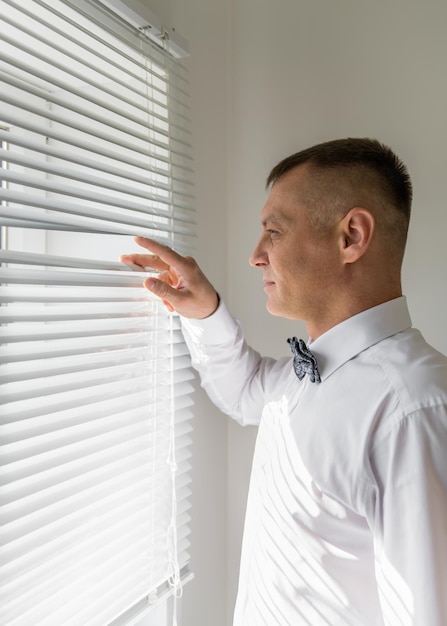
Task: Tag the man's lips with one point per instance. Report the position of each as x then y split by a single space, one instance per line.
268 283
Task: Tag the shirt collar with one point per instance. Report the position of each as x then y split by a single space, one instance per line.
359 332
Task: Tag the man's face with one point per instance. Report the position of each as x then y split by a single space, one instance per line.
300 265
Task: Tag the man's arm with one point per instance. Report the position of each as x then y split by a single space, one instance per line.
409 519
233 374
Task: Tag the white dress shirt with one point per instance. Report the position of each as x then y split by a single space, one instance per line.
346 521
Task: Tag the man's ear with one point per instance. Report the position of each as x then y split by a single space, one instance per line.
357 232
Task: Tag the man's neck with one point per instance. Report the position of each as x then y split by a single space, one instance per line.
347 309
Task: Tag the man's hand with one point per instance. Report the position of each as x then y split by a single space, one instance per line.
181 284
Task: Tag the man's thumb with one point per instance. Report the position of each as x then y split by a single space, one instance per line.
157 287
160 288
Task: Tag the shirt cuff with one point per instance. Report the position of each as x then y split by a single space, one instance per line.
212 330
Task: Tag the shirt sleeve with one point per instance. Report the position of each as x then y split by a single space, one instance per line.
233 374
410 519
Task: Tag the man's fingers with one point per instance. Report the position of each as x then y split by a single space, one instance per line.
166 254
180 284
151 261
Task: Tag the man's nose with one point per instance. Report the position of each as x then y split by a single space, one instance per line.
258 257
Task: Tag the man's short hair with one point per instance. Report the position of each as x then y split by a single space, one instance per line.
350 172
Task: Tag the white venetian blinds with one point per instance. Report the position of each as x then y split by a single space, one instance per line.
95 389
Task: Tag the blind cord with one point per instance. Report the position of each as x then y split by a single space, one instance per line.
174 578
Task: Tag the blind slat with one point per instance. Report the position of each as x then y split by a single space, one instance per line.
25 370
54 277
33 258
14 352
12 294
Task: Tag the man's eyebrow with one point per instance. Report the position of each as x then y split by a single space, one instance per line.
275 220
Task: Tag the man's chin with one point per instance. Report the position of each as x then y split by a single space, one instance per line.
274 309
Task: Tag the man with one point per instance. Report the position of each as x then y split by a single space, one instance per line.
346 518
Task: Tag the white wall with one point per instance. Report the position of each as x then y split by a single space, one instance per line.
270 77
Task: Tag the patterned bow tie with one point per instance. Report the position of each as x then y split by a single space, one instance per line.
304 361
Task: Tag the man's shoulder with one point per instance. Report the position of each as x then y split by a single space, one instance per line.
410 348
414 369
